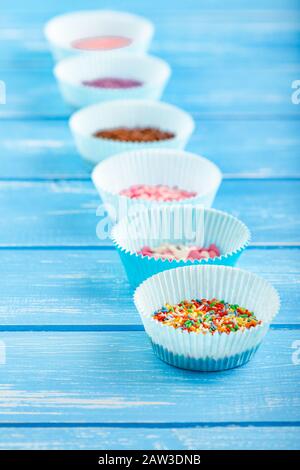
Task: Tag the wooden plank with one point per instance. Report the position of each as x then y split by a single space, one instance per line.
208 92
250 148
64 213
251 24
82 289
40 149
116 378
108 378
33 54
45 149
27 50
95 438
55 7
242 57
249 33
43 207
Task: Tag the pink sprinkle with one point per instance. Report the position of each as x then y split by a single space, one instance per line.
101 43
146 251
113 83
213 247
212 254
179 252
157 193
194 254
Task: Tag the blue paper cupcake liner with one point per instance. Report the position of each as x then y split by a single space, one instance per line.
203 364
149 228
198 351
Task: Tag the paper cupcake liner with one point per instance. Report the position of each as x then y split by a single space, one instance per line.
62 30
203 364
127 113
151 71
198 351
156 166
177 224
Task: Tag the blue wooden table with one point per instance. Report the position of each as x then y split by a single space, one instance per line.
76 370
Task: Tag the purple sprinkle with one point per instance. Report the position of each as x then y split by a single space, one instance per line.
112 83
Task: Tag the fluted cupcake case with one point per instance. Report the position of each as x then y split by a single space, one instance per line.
196 351
151 71
127 113
62 30
177 224
154 166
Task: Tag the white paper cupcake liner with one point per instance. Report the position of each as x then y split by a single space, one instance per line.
127 113
62 30
198 351
186 224
71 72
154 166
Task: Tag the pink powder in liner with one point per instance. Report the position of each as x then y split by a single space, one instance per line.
103 43
157 193
112 83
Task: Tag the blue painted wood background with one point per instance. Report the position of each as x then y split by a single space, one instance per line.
76 370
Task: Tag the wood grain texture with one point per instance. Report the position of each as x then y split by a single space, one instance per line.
241 148
55 6
233 66
115 378
233 32
97 438
224 62
20 49
249 91
53 289
64 213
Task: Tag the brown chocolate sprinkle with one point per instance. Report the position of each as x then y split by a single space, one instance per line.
136 134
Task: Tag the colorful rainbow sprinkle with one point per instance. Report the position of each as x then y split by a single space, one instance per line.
206 316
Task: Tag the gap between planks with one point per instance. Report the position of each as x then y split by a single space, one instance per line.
15 116
252 245
84 179
150 425
104 328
